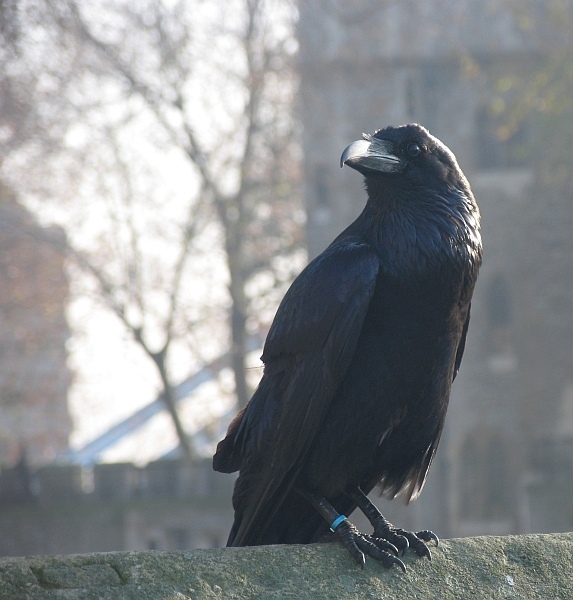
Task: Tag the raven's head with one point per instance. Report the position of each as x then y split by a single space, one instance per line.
409 150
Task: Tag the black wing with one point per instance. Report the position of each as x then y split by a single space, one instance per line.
307 352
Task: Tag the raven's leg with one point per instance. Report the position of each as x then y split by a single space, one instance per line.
385 530
355 542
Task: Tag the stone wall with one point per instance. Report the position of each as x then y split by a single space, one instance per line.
67 509
531 567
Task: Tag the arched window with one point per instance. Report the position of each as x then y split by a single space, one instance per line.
499 314
499 319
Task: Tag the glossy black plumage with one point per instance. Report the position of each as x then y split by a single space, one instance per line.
363 349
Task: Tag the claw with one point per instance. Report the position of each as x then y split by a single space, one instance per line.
416 541
384 545
400 564
359 544
396 538
423 550
428 536
403 543
389 560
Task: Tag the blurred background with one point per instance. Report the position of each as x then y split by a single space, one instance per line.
167 167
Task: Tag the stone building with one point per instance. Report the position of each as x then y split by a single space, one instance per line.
34 378
70 509
507 453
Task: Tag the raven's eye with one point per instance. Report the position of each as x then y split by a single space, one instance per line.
413 149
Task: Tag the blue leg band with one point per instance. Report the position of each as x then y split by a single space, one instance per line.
337 522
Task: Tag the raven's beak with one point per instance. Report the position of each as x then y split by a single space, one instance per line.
371 154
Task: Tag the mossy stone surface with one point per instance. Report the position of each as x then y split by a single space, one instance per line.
533 566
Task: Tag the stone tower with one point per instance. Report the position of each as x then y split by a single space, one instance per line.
34 378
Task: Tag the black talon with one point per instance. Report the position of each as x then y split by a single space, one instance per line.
359 544
399 541
395 537
389 560
424 551
400 564
383 544
417 543
346 533
428 536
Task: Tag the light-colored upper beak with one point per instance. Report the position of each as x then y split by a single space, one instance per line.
371 154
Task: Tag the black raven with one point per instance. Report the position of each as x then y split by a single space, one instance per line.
360 358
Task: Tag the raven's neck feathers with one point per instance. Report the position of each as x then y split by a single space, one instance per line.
424 231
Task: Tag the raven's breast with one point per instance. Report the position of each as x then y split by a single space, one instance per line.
392 400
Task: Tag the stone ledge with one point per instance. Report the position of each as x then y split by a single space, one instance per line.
532 566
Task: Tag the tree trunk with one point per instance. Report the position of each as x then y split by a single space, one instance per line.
238 318
169 399
238 352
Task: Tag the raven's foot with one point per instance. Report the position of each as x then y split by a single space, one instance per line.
360 544
406 539
384 530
